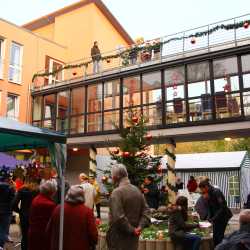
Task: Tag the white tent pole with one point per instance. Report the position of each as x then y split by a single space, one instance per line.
61 212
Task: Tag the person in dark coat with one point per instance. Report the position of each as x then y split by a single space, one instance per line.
218 212
247 204
80 232
201 207
25 196
179 184
7 194
151 192
133 53
129 213
96 57
192 185
41 210
178 227
240 239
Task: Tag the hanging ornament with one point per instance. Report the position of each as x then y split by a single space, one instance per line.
74 73
193 40
135 119
246 24
148 137
126 154
116 151
104 179
108 60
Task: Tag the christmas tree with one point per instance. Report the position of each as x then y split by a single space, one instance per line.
133 152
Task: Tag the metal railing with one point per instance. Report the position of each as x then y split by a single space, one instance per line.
216 36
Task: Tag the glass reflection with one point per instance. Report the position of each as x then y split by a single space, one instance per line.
153 114
78 101
131 91
95 98
227 105
111 120
77 124
112 95
151 87
246 103
37 108
176 111
94 122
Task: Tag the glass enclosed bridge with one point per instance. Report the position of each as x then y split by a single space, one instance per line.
190 85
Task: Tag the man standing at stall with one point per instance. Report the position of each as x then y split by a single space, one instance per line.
218 212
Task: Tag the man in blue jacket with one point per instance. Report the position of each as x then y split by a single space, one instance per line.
7 194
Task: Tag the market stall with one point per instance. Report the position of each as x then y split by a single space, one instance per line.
15 136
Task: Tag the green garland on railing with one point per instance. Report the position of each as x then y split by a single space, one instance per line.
148 47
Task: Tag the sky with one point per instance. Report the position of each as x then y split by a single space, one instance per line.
140 18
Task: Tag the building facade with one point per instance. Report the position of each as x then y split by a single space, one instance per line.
48 43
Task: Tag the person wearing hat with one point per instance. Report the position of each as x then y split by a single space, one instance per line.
7 194
89 190
80 232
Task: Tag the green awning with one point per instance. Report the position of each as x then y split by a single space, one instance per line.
15 135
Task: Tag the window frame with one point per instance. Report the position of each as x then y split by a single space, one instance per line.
17 67
16 106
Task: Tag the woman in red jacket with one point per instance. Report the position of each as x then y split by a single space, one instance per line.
41 210
80 232
192 185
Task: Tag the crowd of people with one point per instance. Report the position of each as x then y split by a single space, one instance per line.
38 206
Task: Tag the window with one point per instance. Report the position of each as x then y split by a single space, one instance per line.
174 86
62 111
37 108
234 186
131 91
13 106
226 86
199 92
15 67
49 111
1 58
55 65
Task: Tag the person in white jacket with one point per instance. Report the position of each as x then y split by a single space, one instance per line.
89 190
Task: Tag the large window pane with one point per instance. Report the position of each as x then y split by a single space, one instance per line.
95 98
15 63
151 85
13 106
227 105
198 79
62 104
176 111
49 106
78 101
37 108
111 120
77 124
246 103
153 114
131 91
112 94
225 75
136 111
94 122
200 108
174 83
246 80
245 60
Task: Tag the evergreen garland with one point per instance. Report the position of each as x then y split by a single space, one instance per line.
148 47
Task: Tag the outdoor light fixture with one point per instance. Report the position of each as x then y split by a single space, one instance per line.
227 139
75 149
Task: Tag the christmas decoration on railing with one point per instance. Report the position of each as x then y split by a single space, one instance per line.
148 47
92 160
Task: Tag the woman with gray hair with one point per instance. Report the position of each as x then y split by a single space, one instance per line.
41 210
80 232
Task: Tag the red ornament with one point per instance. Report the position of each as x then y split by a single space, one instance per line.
116 151
74 73
246 25
126 154
104 178
108 61
135 119
193 40
148 137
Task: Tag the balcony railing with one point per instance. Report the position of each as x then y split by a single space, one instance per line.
213 37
